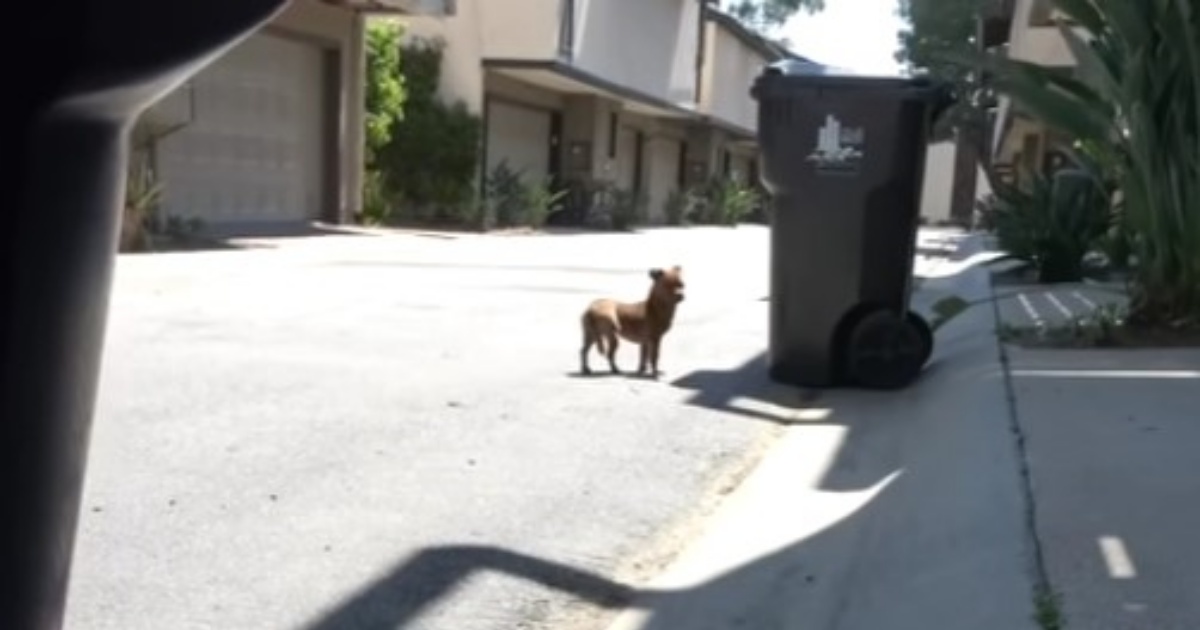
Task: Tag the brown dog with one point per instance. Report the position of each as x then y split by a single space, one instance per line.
606 321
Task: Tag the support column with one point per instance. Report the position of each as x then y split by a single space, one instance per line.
354 69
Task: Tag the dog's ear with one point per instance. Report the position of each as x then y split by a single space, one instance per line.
656 273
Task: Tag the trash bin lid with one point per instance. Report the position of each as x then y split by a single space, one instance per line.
802 73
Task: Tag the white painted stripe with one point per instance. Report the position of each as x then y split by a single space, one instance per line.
1029 309
1130 374
1116 557
1062 308
1085 300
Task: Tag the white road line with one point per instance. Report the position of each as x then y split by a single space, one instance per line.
1029 309
1085 300
1128 374
1062 308
1116 557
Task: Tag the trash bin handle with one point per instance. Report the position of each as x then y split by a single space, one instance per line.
939 94
944 98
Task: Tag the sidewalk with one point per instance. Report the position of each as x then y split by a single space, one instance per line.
906 511
896 511
1113 441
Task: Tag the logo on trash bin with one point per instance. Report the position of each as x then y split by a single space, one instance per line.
839 149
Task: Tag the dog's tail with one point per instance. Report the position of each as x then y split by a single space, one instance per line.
592 332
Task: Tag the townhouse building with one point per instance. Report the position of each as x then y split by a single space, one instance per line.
273 130
650 95
1027 30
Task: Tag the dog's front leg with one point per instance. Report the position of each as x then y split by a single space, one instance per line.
652 346
643 357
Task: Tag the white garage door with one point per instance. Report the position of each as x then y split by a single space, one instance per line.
627 162
520 136
664 176
254 151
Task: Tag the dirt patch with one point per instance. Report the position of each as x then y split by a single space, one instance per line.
1157 338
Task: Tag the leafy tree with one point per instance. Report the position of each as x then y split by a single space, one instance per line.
384 100
939 30
763 15
936 28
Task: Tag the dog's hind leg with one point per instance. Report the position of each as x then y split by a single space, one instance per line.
611 341
590 338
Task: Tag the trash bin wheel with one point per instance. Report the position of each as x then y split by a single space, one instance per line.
886 351
926 333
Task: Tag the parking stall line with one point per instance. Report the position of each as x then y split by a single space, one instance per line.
1032 312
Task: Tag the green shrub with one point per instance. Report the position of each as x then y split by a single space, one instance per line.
376 207
675 208
141 219
1133 108
430 164
505 193
1052 223
512 200
612 207
736 202
627 209
542 200
723 201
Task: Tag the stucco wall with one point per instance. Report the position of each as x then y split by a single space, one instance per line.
730 67
647 45
519 29
938 188
939 182
462 72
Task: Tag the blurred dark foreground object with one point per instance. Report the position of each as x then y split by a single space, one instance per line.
77 74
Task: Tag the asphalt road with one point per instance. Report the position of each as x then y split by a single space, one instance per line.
353 432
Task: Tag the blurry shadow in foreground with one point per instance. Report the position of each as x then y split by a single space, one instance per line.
399 598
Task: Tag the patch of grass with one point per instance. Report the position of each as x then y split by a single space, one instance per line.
947 309
1106 327
1048 610
1099 329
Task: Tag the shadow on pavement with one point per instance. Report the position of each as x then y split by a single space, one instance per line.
239 237
914 520
279 230
496 266
399 598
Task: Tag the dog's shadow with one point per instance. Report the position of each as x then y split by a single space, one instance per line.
601 374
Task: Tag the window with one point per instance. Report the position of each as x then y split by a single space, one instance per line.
681 177
566 29
612 135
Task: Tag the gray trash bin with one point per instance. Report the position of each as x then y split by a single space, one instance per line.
844 160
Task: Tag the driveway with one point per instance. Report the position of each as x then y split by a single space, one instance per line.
386 431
